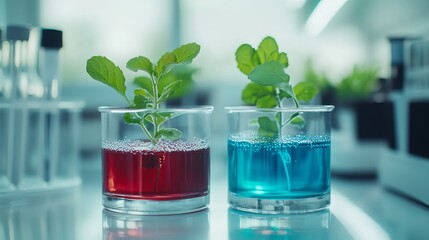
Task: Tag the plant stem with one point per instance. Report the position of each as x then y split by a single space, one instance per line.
295 100
290 119
155 92
155 106
285 157
279 105
152 139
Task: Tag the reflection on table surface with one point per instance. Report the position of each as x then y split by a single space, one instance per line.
179 227
360 209
241 225
248 226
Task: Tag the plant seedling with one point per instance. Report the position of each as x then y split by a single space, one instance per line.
270 84
153 88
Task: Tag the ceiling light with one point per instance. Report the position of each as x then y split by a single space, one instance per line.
322 15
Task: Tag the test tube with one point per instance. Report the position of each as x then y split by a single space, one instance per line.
66 171
25 130
5 109
51 42
5 149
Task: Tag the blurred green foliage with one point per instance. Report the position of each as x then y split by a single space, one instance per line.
359 84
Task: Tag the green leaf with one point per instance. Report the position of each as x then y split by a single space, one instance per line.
132 118
286 90
246 58
145 83
283 59
285 94
165 63
140 102
169 134
170 86
267 101
144 93
305 91
298 121
149 118
162 117
252 92
140 63
267 127
187 52
296 114
103 70
169 89
295 119
269 74
268 50
142 98
255 60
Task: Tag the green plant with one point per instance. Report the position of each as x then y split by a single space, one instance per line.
270 84
359 84
154 89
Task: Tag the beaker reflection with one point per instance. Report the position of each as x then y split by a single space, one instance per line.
179 227
249 226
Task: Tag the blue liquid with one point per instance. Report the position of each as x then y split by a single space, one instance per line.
286 168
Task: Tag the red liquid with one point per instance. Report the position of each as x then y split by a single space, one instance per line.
152 175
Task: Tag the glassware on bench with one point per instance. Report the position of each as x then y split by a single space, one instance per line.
286 172
143 176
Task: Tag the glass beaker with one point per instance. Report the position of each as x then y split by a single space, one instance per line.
279 159
155 161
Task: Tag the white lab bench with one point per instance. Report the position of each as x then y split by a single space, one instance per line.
360 209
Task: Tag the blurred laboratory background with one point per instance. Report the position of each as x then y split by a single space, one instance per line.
368 58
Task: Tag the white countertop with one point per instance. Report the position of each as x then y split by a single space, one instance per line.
360 209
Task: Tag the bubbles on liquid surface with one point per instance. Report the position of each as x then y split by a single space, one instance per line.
140 146
252 140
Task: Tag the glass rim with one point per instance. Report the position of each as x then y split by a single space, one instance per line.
196 109
302 108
